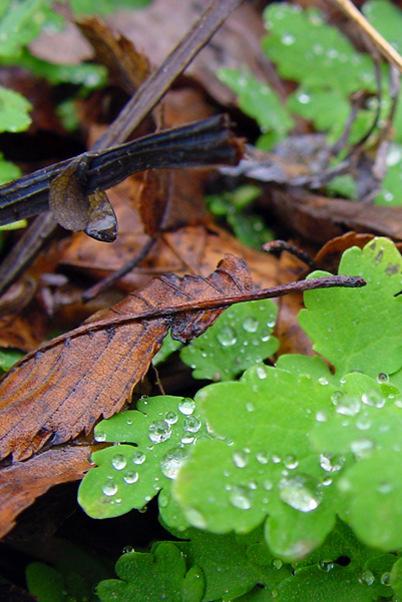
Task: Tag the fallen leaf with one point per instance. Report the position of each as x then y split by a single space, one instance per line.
127 67
22 482
329 255
319 219
62 389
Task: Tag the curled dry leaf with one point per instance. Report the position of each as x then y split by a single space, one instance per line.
22 482
127 67
62 389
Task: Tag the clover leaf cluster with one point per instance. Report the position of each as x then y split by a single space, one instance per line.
296 464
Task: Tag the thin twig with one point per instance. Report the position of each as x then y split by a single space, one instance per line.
204 305
276 247
109 281
376 38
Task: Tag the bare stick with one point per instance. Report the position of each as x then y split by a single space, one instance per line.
376 38
207 304
275 247
109 281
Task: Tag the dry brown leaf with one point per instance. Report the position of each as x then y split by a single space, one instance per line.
127 67
329 255
319 219
22 482
64 387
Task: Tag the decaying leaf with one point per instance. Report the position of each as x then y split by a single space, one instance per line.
22 482
319 219
62 389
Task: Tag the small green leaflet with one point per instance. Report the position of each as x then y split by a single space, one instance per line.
21 22
8 357
307 50
360 329
240 337
257 100
8 171
14 111
128 476
158 575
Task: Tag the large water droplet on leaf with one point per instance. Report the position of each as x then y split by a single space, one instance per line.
227 337
300 493
119 462
239 499
109 488
159 431
187 407
172 462
250 324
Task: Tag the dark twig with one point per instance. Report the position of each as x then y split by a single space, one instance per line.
276 247
148 95
208 304
109 281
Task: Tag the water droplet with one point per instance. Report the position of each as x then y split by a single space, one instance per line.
192 424
131 477
276 459
196 519
385 488
239 459
239 499
227 337
299 493
326 565
331 463
373 399
386 578
262 458
288 39
267 484
277 564
187 439
100 437
261 372
321 416
110 488
367 577
139 457
250 325
159 431
323 381
291 462
383 377
345 405
303 98
187 407
250 406
119 462
363 423
128 549
172 462
362 447
171 417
